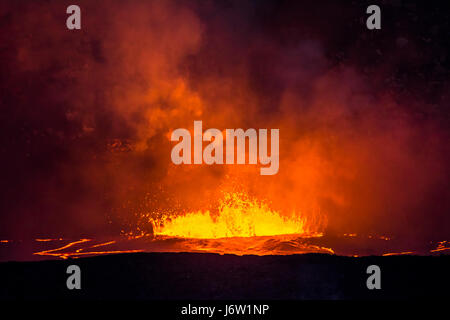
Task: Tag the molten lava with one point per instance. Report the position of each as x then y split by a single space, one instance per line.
238 216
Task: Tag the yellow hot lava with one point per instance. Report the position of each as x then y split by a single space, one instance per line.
238 216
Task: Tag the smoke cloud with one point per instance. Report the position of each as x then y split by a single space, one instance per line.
87 115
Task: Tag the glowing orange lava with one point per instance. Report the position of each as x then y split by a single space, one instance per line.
442 246
65 251
238 216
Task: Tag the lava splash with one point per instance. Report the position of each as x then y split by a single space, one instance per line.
238 216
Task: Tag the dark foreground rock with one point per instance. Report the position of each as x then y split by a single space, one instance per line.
180 276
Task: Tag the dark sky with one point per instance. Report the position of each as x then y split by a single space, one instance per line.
363 115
